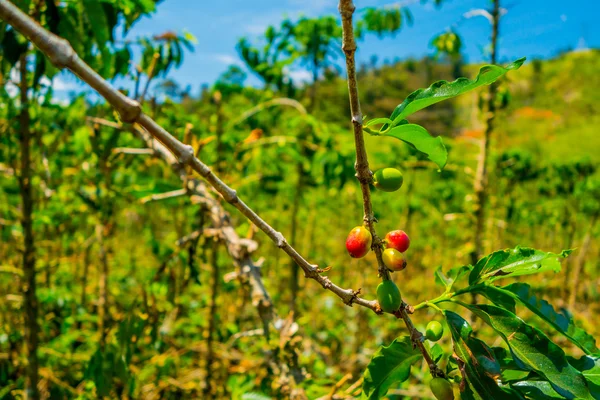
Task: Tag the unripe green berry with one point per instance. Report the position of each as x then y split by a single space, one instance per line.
388 296
434 331
441 389
393 259
358 242
388 179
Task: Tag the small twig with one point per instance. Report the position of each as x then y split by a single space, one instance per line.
163 196
151 69
126 150
239 335
284 101
102 121
336 387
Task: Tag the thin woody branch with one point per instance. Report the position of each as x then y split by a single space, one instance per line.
62 55
364 175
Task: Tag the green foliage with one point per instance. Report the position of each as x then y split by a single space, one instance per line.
316 41
270 62
522 293
470 350
448 43
417 137
389 365
382 21
443 90
515 262
532 350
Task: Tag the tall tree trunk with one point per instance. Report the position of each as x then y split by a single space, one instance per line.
218 99
481 177
298 193
210 389
294 283
29 285
313 88
84 275
102 285
580 261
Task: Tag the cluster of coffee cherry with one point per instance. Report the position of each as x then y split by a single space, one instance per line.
397 242
359 243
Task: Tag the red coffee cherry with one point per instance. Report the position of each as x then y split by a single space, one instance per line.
398 240
358 242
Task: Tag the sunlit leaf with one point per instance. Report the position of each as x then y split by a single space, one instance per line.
418 137
443 90
539 390
515 262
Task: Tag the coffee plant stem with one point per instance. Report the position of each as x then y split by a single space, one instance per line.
364 174
62 55
29 260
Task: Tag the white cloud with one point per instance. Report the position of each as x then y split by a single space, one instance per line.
227 59
300 75
59 84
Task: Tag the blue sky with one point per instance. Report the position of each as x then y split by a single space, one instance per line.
532 28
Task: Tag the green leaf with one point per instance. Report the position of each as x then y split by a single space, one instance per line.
437 352
561 322
12 47
389 365
539 390
532 350
418 137
443 90
98 21
495 295
449 278
590 369
519 261
472 351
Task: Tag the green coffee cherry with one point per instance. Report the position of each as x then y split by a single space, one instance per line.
388 179
441 389
388 296
434 331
